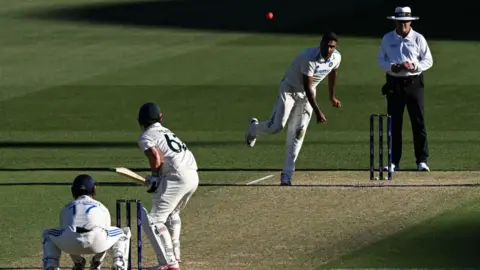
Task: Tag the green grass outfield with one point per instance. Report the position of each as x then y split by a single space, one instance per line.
71 85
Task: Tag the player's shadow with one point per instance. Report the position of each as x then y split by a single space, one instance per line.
211 169
446 241
346 17
99 183
191 144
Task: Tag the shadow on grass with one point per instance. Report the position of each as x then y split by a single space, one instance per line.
226 169
346 17
231 143
382 184
40 268
133 144
99 183
449 240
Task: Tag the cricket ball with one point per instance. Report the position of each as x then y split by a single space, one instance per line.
269 15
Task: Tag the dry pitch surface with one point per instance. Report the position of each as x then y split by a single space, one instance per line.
271 227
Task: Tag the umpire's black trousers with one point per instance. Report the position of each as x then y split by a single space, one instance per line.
401 91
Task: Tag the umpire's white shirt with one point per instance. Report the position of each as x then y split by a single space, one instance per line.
309 62
396 50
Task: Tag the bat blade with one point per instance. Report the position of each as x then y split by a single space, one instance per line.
130 174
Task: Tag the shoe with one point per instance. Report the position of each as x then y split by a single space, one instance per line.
285 180
249 139
118 265
422 167
80 265
96 265
394 168
176 252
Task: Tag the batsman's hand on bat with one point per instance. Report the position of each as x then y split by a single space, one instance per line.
152 182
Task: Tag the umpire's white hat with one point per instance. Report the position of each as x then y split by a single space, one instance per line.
403 14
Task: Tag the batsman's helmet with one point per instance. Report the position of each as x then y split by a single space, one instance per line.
83 184
149 114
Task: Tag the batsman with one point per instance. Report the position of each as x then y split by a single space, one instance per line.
173 181
296 99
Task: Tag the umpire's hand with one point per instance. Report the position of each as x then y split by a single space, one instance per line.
408 66
396 68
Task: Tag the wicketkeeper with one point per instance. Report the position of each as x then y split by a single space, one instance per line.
85 229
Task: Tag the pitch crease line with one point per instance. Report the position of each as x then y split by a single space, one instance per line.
260 179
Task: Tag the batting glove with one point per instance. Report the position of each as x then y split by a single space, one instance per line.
152 182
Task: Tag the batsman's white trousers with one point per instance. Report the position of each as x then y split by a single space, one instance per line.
292 108
173 194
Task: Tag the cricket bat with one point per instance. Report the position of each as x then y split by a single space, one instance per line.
130 174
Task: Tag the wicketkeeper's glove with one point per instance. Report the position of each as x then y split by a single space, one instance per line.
152 182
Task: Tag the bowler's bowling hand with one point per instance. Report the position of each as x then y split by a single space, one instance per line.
335 102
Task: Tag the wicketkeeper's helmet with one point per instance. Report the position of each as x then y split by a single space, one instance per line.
83 184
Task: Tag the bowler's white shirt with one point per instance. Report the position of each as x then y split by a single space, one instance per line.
396 50
309 62
177 156
85 212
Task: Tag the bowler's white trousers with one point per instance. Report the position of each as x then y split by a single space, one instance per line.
292 108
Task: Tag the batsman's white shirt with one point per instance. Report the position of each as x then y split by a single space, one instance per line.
310 62
177 157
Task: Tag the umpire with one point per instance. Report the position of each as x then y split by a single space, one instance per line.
404 55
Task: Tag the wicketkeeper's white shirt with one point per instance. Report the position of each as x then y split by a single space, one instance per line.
85 212
310 62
